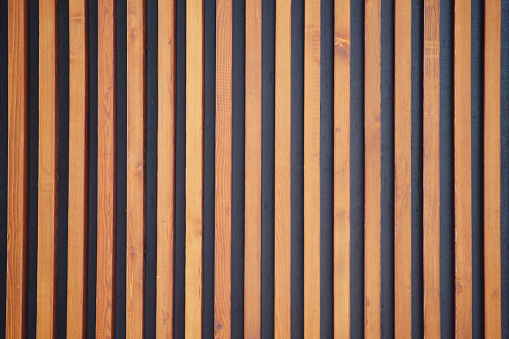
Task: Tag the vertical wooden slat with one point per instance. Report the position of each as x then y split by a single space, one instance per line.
403 169
223 175
282 177
312 169
492 255
194 168
78 170
253 165
342 169
17 186
106 167
165 168
431 168
372 172
462 168
48 139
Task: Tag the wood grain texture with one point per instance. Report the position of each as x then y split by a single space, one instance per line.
312 169
462 168
431 168
492 168
282 176
253 167
106 169
342 168
77 230
17 172
223 171
165 169
48 173
372 172
403 169
194 168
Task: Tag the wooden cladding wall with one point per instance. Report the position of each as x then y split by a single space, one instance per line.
258 168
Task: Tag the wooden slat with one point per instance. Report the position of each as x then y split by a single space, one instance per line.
136 109
282 179
312 169
17 186
403 170
431 168
253 165
342 169
372 183
78 170
165 169
462 168
223 175
194 168
48 139
492 168
106 167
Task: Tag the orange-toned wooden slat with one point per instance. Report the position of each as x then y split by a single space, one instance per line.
223 180
372 172
165 168
135 256
78 171
431 168
342 169
462 168
194 168
253 165
312 169
48 139
106 166
492 259
17 186
282 179
402 170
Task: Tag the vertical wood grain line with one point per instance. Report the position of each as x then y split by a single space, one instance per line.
462 168
431 169
282 175
372 171
106 170
312 169
17 173
78 170
403 169
342 168
194 169
165 168
253 167
47 185
492 169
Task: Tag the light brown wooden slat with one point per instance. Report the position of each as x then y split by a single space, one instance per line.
282 177
372 144
194 168
253 165
17 173
492 168
312 169
431 168
165 169
403 169
106 167
48 140
342 169
223 171
78 171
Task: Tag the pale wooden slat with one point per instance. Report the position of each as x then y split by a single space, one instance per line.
17 173
165 169
78 170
